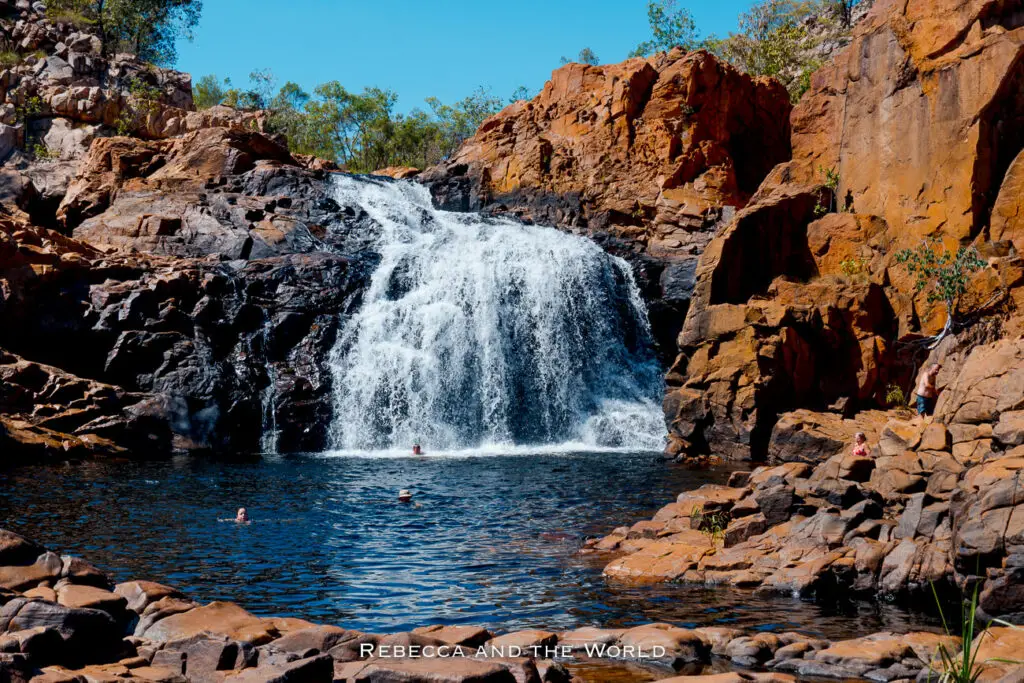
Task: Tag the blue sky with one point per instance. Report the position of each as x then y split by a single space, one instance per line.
444 48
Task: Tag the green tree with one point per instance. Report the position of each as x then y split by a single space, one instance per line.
148 29
586 56
521 93
670 27
363 131
460 121
772 41
942 274
257 96
209 91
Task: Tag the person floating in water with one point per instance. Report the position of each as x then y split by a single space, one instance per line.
927 393
404 496
242 517
860 445
416 450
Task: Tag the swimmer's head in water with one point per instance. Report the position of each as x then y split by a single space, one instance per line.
404 496
242 516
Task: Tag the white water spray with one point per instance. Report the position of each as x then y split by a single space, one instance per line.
486 333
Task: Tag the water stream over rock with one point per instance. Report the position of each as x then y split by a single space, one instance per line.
481 332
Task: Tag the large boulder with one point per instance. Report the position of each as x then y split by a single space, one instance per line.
990 383
89 635
741 365
218 618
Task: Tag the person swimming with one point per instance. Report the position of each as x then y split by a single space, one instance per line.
242 516
416 449
404 496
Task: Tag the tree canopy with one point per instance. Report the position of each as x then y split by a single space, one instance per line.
586 56
671 27
146 28
773 37
361 131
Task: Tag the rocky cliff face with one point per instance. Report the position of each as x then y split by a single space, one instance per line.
920 120
646 157
215 330
179 287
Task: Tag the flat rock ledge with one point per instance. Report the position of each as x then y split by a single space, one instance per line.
63 621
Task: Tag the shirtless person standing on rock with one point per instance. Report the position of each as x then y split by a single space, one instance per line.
926 391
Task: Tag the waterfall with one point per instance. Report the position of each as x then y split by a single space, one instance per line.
483 333
268 398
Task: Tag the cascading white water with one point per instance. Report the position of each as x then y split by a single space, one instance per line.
485 333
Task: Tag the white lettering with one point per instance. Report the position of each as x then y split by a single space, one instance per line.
365 650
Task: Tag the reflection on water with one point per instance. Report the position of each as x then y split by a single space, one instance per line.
493 542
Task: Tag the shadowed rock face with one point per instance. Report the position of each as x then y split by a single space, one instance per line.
222 324
180 287
645 157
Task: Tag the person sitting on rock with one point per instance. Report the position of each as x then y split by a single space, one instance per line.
927 393
860 445
242 517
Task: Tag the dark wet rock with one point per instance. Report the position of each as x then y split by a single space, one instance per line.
88 634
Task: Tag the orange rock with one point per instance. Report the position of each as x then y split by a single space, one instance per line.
140 594
681 645
579 638
1007 223
471 636
650 142
884 116
998 643
397 172
220 618
524 639
75 595
664 560
448 670
46 568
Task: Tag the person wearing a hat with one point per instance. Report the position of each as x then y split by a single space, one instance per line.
404 496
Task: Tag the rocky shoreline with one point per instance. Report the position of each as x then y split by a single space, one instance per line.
62 620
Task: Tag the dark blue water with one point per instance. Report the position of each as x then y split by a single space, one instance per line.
493 542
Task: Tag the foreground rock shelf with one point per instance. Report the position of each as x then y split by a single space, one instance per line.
63 621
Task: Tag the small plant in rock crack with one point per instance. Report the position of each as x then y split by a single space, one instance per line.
42 153
143 101
831 182
711 524
29 109
854 268
895 397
